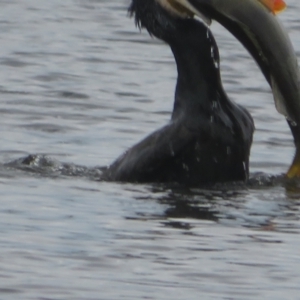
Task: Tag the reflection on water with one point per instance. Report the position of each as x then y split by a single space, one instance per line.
79 85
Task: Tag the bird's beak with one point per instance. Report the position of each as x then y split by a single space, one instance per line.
183 9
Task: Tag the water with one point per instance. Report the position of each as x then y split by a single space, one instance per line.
80 84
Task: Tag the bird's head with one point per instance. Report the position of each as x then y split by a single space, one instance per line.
173 28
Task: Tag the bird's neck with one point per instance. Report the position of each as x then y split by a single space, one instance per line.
198 84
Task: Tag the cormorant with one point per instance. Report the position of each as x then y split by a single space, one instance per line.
208 138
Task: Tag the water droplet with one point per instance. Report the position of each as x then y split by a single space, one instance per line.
244 165
213 56
185 167
292 122
212 53
172 150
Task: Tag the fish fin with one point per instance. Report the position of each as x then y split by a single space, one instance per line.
279 100
294 170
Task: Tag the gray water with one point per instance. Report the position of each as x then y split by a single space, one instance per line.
80 84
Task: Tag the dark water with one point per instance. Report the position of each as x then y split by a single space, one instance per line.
80 84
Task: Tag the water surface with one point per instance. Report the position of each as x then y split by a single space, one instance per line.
80 84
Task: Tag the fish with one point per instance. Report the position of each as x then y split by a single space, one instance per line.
255 24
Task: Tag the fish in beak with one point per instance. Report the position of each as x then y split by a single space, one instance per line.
254 24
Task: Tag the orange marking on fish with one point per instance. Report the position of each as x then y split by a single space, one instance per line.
275 6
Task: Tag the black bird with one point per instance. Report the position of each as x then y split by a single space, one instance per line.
208 138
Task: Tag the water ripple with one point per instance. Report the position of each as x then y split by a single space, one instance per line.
79 85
